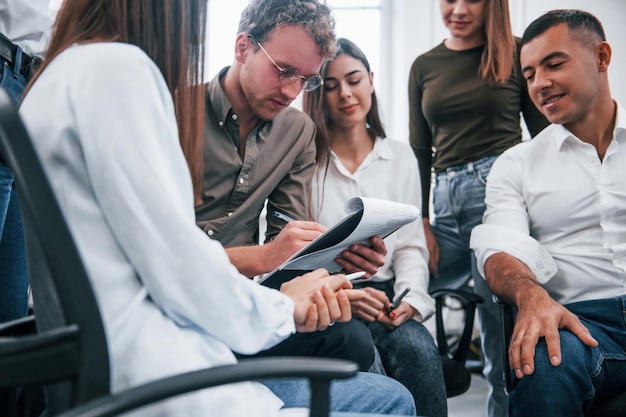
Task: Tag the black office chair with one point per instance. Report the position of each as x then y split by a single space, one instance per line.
454 352
613 407
453 286
65 347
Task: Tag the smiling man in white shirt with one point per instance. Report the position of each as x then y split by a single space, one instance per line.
553 238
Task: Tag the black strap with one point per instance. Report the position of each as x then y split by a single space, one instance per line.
7 54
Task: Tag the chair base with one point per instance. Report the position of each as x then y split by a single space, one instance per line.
457 377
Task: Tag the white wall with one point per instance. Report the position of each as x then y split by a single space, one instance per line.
415 26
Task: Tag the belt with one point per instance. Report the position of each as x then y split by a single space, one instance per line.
8 51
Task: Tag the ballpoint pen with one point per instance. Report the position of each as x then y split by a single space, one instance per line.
355 275
397 302
283 217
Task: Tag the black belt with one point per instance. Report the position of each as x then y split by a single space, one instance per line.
8 51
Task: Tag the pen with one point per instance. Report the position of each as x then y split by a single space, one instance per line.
283 217
397 302
355 275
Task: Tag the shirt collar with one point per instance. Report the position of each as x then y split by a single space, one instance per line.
620 122
218 101
216 97
382 149
561 134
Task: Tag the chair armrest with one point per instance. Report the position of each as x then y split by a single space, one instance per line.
459 294
318 370
507 320
39 358
470 300
19 327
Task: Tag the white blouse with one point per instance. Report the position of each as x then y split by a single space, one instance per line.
388 172
103 122
27 23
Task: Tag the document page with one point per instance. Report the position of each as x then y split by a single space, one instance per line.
367 217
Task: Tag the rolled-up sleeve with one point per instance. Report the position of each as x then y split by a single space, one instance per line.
505 225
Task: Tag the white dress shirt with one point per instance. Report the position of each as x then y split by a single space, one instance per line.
27 23
555 206
388 172
170 299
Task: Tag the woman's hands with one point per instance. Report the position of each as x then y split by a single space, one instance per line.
371 304
359 257
319 299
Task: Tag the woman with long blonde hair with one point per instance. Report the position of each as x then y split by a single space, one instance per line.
465 100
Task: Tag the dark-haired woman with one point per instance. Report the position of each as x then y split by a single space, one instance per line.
355 159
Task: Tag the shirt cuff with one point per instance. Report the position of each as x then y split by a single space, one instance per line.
489 239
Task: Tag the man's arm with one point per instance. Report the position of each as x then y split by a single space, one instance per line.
292 197
539 315
257 260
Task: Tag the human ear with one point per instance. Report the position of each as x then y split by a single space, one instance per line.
242 44
604 56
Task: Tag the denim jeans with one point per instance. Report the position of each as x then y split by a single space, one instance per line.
586 374
10 79
458 206
409 355
13 272
350 340
366 394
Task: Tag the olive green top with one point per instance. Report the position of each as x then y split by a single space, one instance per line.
457 117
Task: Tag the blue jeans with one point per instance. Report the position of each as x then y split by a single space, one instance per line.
458 206
13 272
350 340
10 79
409 355
586 374
366 394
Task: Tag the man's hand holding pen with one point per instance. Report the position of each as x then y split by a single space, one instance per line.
293 237
297 234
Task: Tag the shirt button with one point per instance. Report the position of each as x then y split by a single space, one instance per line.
221 123
234 116
241 180
209 232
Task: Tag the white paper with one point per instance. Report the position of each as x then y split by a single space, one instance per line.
367 217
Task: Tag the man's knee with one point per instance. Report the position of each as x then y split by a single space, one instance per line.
576 359
571 379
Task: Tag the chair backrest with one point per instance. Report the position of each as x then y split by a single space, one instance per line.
61 287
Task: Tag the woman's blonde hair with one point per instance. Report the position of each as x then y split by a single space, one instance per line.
498 60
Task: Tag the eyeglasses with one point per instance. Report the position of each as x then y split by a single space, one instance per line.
290 75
